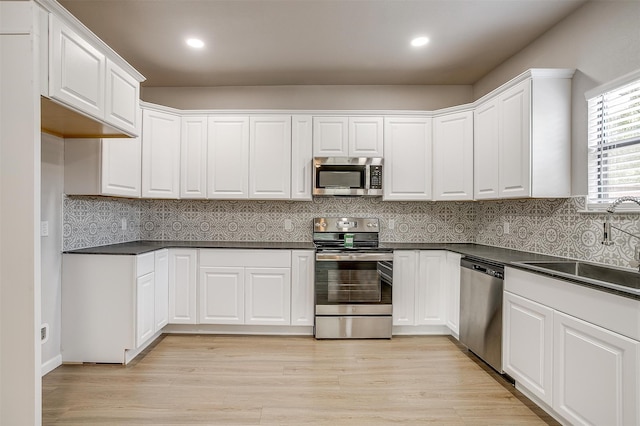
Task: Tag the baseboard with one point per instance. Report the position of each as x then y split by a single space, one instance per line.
51 365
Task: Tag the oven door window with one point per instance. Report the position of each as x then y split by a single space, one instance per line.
341 177
352 282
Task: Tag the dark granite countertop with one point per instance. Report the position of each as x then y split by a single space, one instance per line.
496 255
139 247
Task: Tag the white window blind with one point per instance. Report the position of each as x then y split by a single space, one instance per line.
614 144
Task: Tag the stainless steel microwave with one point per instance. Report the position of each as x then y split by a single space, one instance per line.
347 176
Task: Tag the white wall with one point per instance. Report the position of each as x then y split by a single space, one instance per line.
51 246
602 41
20 382
311 97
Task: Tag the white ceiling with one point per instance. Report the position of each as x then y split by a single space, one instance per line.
317 42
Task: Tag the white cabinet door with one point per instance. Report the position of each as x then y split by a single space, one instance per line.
453 156
160 154
301 157
527 345
330 137
515 141
404 287
76 70
221 295
268 296
366 137
430 291
452 283
228 157
183 275
596 374
193 157
161 290
302 285
270 157
121 167
486 171
145 303
122 99
408 159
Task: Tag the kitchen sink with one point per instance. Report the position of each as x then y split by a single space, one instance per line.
606 276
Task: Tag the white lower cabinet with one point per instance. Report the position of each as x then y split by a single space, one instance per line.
245 287
596 374
452 291
183 278
528 345
574 349
422 286
109 305
221 295
267 299
302 287
145 302
161 306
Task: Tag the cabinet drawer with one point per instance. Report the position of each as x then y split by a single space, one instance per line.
145 263
244 258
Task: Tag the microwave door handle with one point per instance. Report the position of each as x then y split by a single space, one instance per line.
367 177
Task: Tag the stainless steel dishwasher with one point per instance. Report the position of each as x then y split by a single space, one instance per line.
481 286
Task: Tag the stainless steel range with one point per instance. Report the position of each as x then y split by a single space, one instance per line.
353 279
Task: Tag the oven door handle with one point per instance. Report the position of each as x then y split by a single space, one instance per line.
328 257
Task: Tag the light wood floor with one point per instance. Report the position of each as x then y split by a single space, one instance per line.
252 380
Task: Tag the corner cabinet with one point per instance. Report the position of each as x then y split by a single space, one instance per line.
408 159
453 156
572 349
110 167
160 154
112 305
522 138
81 76
183 281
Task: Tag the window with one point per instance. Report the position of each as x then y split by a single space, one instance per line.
614 142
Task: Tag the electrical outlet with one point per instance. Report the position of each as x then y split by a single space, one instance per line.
392 223
505 228
288 225
44 333
124 224
44 228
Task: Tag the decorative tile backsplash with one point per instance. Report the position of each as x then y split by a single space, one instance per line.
547 226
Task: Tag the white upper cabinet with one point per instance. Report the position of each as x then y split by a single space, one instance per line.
193 157
76 70
160 154
366 136
453 156
330 136
523 137
348 136
228 157
81 75
486 151
122 99
301 156
110 167
408 158
270 157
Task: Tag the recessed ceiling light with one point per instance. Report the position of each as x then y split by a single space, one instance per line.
195 43
419 41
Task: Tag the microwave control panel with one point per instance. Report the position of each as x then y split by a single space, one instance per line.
375 175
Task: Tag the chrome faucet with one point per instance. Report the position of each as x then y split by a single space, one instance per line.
606 240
